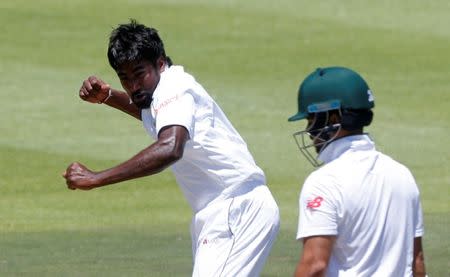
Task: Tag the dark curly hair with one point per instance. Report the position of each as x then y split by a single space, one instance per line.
133 42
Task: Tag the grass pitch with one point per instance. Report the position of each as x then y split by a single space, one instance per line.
251 57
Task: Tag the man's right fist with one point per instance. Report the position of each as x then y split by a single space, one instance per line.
94 90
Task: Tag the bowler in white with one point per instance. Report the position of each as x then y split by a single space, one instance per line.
235 217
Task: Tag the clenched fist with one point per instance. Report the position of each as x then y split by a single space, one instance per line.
94 90
79 177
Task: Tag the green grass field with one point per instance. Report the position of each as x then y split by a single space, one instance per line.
251 56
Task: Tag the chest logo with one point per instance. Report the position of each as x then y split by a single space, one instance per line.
165 103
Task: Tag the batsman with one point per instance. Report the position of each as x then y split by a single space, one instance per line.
360 211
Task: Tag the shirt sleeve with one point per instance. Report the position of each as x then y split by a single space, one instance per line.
176 109
418 217
318 208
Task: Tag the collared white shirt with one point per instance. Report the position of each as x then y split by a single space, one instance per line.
369 202
216 162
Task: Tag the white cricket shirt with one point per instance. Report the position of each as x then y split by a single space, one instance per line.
369 202
216 163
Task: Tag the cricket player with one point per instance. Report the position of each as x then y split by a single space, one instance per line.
360 212
236 219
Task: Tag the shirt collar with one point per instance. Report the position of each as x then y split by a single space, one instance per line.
168 70
338 147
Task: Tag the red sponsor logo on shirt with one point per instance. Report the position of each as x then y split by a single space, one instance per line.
165 103
315 203
210 241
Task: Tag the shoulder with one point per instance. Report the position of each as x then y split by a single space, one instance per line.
327 173
176 76
172 85
395 166
175 81
321 182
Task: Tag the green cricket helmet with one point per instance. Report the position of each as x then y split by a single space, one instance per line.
332 88
325 90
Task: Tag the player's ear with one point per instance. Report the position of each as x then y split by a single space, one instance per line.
161 63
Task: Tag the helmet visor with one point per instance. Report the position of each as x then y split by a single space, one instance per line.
317 135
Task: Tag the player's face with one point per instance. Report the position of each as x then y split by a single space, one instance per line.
315 124
139 79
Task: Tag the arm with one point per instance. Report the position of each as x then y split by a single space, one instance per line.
95 90
315 257
121 101
165 151
418 260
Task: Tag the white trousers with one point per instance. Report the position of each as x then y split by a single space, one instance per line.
233 237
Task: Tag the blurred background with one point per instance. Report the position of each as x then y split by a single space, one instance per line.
251 57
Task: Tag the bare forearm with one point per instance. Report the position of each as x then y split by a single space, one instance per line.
165 151
147 162
419 260
315 256
310 269
419 266
121 101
